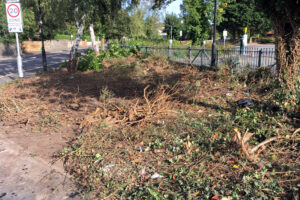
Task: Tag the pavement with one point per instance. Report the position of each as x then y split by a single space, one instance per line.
25 176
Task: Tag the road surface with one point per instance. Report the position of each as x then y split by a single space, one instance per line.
32 63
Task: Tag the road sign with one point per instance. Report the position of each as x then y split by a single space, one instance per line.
14 15
15 25
15 28
12 1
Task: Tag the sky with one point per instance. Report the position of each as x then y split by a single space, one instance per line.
174 7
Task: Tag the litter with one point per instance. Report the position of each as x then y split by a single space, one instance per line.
156 175
243 103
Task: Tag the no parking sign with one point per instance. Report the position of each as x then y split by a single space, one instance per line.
14 17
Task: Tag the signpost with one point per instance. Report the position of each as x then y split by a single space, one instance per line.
245 36
15 25
224 36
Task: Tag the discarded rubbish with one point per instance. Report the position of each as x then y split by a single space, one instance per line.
243 103
228 94
156 175
107 168
247 93
98 160
141 149
159 122
142 171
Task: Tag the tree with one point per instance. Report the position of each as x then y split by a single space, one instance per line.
152 25
196 21
137 25
173 26
197 15
243 13
106 9
285 17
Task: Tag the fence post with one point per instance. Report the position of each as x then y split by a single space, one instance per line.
190 53
217 59
169 52
202 57
259 58
147 50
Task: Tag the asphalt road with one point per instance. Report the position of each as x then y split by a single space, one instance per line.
32 63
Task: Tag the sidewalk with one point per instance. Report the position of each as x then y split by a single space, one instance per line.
28 174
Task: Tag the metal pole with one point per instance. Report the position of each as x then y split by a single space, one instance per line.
19 58
44 57
214 46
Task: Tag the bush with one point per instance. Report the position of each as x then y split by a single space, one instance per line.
267 40
93 62
90 62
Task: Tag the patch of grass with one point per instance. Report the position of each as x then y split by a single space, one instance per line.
63 37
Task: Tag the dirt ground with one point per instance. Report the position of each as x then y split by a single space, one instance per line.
41 114
42 117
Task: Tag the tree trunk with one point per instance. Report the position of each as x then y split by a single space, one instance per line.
44 57
73 59
93 38
287 44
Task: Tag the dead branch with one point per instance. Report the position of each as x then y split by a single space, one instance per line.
251 153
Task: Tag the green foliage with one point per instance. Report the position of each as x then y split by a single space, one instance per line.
62 37
152 25
30 27
173 24
137 24
286 100
267 40
90 62
93 62
196 20
286 10
244 13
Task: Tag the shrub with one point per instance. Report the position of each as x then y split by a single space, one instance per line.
267 40
90 62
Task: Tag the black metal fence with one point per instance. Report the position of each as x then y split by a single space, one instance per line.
250 58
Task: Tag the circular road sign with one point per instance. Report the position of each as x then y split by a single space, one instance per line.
13 10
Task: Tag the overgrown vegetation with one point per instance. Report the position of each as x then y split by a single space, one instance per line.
147 128
93 62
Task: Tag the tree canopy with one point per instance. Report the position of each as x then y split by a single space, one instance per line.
173 26
244 13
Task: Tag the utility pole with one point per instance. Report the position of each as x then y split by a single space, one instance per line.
214 46
44 57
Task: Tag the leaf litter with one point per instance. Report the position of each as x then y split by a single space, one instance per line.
149 127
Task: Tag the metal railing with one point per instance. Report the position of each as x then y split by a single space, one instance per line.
249 59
